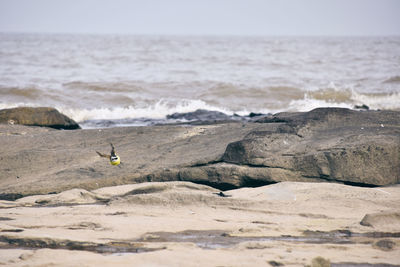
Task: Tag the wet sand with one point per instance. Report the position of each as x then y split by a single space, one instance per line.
186 224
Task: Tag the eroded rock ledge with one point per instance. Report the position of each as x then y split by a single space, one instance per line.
327 144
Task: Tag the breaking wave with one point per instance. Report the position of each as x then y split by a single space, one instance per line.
159 110
156 111
394 79
21 93
347 98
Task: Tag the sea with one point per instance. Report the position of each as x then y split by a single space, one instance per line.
127 80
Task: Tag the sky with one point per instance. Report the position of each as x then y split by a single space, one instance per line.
203 17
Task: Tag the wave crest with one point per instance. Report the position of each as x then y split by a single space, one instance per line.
17 92
104 87
158 110
394 79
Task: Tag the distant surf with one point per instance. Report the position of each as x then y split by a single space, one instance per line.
111 81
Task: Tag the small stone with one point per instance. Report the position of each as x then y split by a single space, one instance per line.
320 262
363 107
275 263
25 256
384 244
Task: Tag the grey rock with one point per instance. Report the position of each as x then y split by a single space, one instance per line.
385 244
200 114
328 143
333 118
336 145
41 116
204 117
54 161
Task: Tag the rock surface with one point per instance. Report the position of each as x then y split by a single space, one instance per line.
327 143
382 219
186 224
200 115
330 144
42 116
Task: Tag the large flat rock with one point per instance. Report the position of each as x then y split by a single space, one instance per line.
40 161
336 145
326 144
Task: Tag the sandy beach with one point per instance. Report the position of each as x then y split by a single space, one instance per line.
185 224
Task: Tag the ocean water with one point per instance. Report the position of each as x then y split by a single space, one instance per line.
139 80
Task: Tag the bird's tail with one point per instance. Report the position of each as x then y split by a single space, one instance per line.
103 155
112 150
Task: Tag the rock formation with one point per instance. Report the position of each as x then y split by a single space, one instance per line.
328 144
42 116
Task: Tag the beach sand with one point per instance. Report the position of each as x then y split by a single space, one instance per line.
186 224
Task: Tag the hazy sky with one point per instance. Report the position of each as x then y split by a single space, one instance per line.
203 17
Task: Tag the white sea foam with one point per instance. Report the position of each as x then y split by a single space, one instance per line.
378 101
346 98
308 104
158 110
19 104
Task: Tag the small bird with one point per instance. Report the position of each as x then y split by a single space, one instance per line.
113 157
221 194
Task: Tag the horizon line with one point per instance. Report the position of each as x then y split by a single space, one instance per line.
193 34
